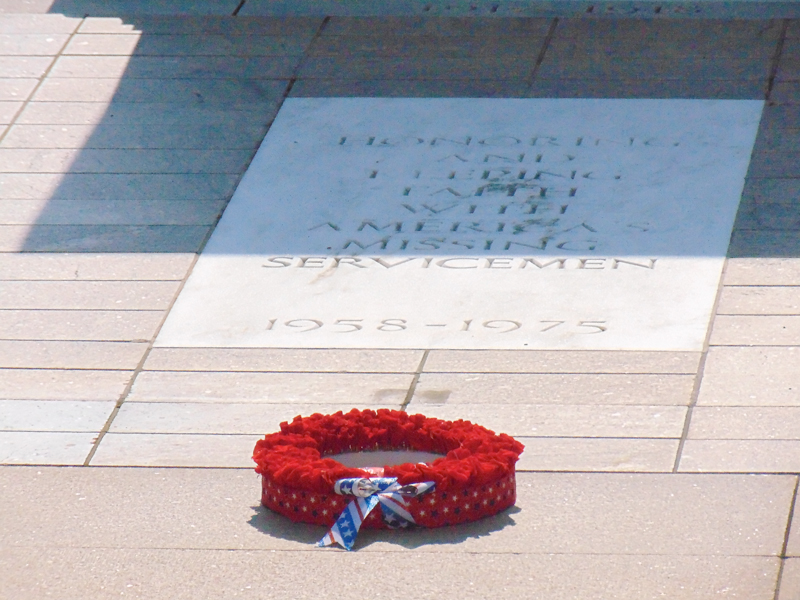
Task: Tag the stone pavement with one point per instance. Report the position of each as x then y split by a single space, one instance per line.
127 473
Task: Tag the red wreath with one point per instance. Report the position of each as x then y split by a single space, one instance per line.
474 479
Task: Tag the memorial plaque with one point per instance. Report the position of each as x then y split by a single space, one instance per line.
475 223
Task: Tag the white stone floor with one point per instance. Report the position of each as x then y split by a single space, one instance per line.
126 468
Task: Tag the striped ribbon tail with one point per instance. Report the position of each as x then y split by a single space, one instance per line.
368 494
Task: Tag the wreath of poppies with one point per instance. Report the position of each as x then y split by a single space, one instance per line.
474 479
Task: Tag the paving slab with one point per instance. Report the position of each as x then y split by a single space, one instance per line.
60 383
202 25
97 186
8 110
286 360
44 448
759 300
302 388
622 68
742 376
764 244
23 66
81 267
123 160
16 89
745 423
598 454
740 456
616 513
358 68
99 295
647 88
762 271
790 580
103 8
408 88
79 325
730 330
175 450
564 361
229 44
516 389
229 418
186 575
130 114
32 44
580 421
20 24
188 67
102 238
110 212
232 94
396 45
768 216
187 136
70 355
426 26
33 415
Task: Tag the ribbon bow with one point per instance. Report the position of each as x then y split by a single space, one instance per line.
368 494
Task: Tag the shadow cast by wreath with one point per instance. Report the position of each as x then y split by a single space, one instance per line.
280 527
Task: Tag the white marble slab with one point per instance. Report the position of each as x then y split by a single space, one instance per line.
475 223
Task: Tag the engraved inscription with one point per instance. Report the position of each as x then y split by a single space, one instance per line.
339 326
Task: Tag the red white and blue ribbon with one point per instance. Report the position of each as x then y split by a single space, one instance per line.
368 494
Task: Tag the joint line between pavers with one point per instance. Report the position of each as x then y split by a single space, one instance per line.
551 30
413 387
698 379
35 89
782 555
776 59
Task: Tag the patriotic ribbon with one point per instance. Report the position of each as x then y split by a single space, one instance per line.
368 494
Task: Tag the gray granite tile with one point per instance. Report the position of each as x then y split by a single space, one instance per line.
787 92
68 355
742 376
759 300
769 164
768 217
22 8
419 88
740 456
199 135
112 8
624 68
762 271
442 26
19 24
598 454
182 575
565 361
590 514
731 330
79 325
31 44
137 114
73 160
112 186
8 110
227 418
301 388
190 44
769 191
23 66
102 238
68 378
297 27
194 67
564 420
790 580
32 415
748 243
85 267
44 448
745 423
513 389
88 295
16 89
647 88
114 212
228 93
286 360
175 450
426 46
364 69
